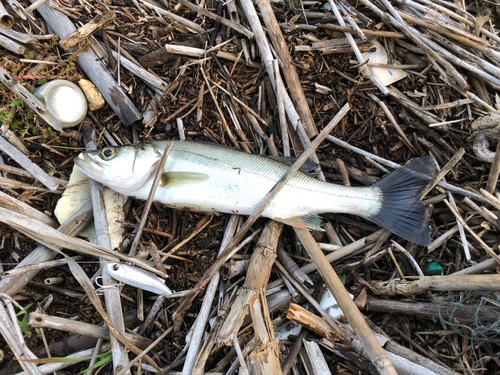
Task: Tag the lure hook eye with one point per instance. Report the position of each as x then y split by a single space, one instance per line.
108 153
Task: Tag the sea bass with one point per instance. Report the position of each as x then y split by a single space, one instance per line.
208 177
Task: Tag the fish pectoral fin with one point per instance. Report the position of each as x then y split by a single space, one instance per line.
179 179
311 221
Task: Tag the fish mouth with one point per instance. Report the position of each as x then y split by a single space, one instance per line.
88 165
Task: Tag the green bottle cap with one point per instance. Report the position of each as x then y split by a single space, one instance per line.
433 268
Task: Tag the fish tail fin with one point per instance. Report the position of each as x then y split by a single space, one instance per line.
402 212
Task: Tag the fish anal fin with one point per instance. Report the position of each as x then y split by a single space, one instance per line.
311 221
179 179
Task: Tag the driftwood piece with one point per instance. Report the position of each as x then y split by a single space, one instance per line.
87 30
22 37
199 52
161 56
462 313
257 277
12 46
27 164
437 283
312 322
92 66
318 362
265 357
38 320
142 73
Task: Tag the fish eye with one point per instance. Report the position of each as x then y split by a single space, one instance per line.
115 267
108 153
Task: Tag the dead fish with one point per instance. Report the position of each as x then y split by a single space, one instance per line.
137 278
207 177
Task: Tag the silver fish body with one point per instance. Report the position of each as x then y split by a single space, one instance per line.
211 178
137 278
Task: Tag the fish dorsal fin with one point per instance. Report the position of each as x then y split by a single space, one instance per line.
178 179
308 165
311 221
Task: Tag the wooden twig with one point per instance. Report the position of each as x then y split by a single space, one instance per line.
443 172
198 52
364 69
349 29
257 278
142 73
423 309
394 123
11 45
38 320
264 359
199 227
149 201
27 164
339 329
13 204
316 358
147 350
87 30
488 249
268 59
436 283
357 321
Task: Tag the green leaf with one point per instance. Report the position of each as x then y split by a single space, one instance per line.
342 278
25 310
29 55
24 325
102 362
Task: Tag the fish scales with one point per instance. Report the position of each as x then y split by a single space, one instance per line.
211 178
237 182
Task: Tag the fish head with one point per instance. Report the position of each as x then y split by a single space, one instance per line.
124 169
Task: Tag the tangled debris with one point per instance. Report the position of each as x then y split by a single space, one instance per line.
359 87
